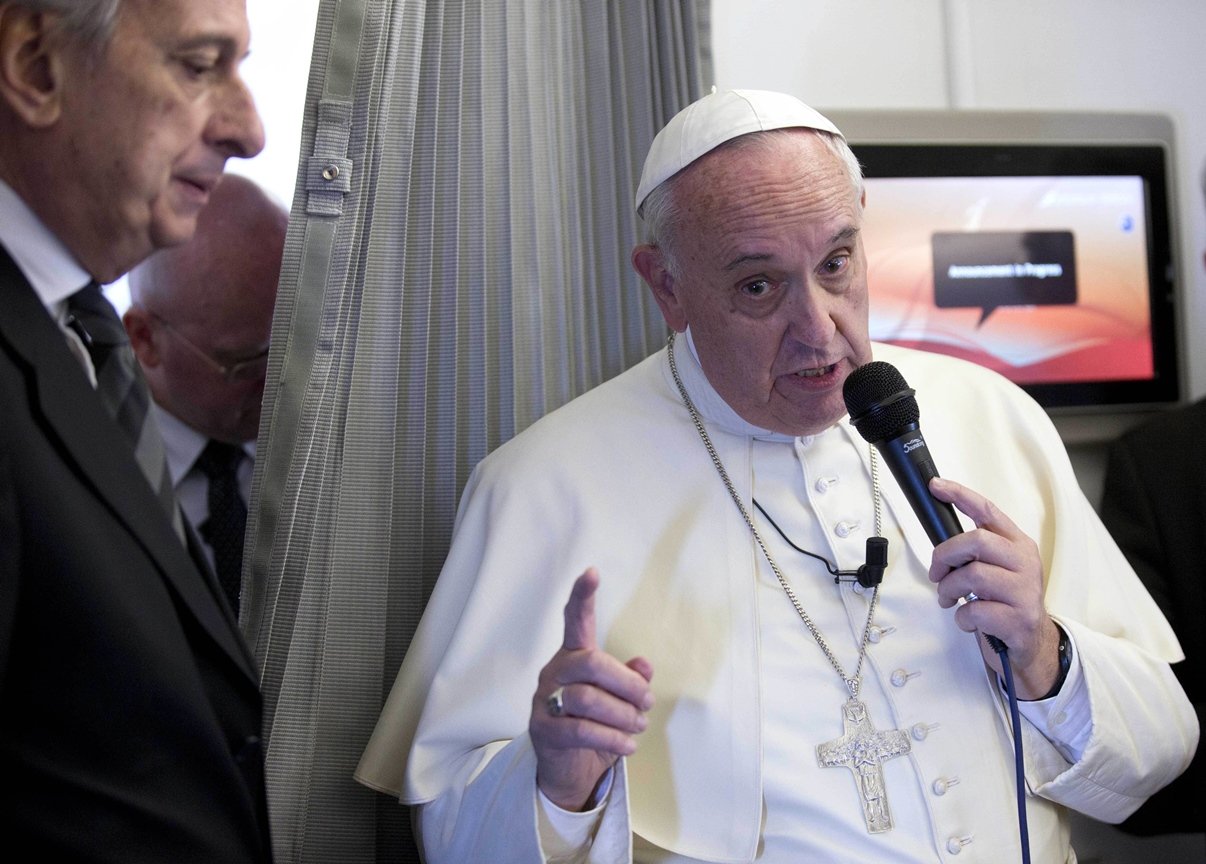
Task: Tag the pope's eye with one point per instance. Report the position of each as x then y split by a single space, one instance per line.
756 288
836 263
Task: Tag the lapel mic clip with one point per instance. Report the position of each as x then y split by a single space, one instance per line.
870 574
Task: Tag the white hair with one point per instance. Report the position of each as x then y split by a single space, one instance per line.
88 22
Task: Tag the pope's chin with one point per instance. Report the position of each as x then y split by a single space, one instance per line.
802 411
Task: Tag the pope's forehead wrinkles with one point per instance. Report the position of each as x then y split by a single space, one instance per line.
841 236
745 259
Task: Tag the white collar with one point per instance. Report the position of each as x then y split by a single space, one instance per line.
710 405
182 443
49 266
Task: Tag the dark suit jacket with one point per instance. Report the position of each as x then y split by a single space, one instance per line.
1154 503
129 707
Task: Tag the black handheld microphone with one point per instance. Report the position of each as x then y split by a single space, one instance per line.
884 411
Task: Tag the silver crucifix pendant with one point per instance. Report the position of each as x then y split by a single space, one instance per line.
863 751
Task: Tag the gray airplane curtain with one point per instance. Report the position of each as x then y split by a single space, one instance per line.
456 267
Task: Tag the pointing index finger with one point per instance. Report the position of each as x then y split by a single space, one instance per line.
580 612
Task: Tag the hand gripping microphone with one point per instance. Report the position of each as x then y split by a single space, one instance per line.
884 412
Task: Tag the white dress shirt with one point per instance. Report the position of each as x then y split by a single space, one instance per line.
48 265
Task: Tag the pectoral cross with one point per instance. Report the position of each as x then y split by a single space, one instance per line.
863 751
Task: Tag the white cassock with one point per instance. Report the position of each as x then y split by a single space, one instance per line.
727 770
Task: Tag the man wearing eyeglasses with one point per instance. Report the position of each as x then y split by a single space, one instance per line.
199 323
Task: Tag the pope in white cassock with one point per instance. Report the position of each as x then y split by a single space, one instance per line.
705 692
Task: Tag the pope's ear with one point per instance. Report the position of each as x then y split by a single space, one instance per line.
31 64
650 261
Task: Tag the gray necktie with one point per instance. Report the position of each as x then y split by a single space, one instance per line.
122 389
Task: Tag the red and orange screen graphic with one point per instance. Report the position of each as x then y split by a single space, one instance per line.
1044 279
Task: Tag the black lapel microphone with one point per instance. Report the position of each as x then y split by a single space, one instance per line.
883 409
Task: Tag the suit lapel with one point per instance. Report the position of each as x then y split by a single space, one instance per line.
101 455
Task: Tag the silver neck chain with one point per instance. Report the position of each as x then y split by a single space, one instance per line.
852 681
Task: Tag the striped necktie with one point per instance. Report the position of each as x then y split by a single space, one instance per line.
122 389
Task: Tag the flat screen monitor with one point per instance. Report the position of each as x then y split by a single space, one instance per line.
1040 248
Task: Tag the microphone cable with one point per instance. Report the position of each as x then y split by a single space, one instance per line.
868 575
1015 720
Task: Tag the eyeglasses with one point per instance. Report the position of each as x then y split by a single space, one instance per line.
243 370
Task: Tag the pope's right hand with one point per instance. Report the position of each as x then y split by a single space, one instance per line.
603 701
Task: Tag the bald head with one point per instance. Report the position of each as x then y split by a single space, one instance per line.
239 239
201 312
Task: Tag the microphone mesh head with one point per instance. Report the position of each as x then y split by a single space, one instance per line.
879 400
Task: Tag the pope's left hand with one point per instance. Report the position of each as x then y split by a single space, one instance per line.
1001 566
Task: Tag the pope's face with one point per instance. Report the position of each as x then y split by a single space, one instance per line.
146 129
771 280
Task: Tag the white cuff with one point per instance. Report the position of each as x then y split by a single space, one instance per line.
564 833
1066 719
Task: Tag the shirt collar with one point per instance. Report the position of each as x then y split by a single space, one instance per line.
182 444
710 405
49 266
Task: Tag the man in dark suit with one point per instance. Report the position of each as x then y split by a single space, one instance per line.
1154 503
199 322
129 708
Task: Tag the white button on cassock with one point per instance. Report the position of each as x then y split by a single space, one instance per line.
955 844
921 730
901 677
942 784
876 633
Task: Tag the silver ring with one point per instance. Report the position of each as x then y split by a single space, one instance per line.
971 597
556 702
